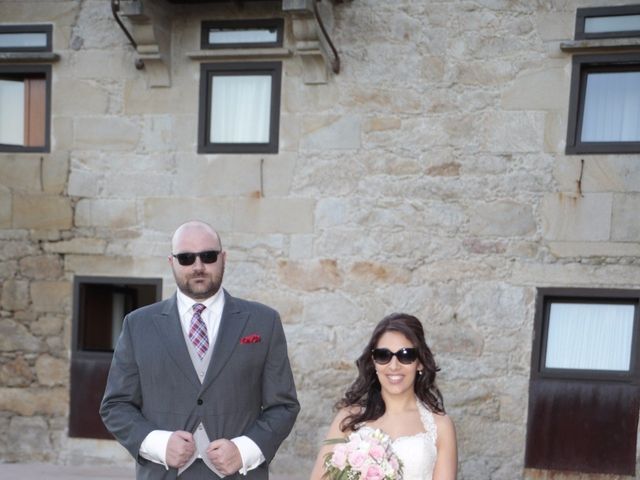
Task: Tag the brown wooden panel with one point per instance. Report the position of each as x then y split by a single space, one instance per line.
88 378
35 112
586 427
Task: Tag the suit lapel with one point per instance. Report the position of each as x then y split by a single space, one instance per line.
170 330
232 325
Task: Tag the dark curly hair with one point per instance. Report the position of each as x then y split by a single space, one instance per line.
365 390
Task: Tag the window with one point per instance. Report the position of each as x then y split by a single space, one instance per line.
239 107
25 90
608 22
604 108
242 33
585 372
99 306
25 38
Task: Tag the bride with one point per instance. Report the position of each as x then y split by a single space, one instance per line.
396 392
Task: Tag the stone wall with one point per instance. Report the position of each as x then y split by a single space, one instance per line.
427 177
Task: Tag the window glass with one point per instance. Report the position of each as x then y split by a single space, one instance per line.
240 109
23 40
238 36
11 112
613 23
612 107
588 336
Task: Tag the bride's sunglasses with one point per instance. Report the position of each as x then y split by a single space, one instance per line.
405 356
188 258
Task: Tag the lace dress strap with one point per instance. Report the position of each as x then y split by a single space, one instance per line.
428 422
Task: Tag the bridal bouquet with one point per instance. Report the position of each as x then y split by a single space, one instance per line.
364 455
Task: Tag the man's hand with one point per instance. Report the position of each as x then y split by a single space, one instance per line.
225 456
180 448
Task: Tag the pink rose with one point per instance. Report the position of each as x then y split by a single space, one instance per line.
377 452
357 458
374 472
339 457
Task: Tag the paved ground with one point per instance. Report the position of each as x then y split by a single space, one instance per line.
43 471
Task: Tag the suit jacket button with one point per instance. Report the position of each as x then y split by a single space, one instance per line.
200 401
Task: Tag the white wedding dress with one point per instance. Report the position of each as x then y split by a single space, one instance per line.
418 452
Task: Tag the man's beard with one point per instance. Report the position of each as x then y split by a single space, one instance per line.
200 291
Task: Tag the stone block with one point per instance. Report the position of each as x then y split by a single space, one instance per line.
301 246
113 213
76 245
381 124
372 273
555 25
226 175
35 401
55 169
5 207
501 219
311 275
75 97
105 64
15 337
15 294
512 132
106 133
167 213
555 128
599 174
52 371
577 218
546 89
594 249
140 100
137 185
83 183
16 373
278 174
41 267
118 266
47 325
575 275
41 212
29 439
274 215
21 173
158 134
625 222
51 297
331 132
61 133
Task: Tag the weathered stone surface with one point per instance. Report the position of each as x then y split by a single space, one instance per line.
263 215
165 214
5 207
77 97
41 267
21 173
52 371
311 275
51 296
106 133
331 133
113 213
15 294
76 245
29 439
47 325
625 221
502 219
15 337
55 169
35 401
16 373
577 217
537 90
41 212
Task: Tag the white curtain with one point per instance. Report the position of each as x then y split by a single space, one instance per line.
240 109
590 336
12 112
612 108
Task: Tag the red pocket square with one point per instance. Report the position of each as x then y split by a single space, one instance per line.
255 338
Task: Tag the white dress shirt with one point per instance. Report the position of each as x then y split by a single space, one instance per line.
154 446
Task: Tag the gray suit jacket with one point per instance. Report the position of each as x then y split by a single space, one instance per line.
248 389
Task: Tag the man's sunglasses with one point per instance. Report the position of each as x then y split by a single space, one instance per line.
404 355
188 258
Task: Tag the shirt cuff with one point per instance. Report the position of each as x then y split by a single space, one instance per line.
154 447
250 453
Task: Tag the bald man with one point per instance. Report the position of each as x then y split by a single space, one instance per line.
200 385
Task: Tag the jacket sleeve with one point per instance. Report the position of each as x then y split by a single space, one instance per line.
121 405
280 406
